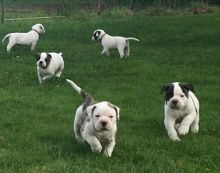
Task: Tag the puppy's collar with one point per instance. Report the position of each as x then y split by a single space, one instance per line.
102 37
36 31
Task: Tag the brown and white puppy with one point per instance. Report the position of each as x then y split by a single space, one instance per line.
95 122
30 38
113 42
181 110
49 65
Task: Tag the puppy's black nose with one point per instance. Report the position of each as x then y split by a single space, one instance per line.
103 123
175 102
41 62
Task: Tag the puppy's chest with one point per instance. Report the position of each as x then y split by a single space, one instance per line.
178 114
104 137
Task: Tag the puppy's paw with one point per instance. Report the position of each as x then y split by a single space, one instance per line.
79 139
96 149
194 129
107 153
174 137
183 130
177 125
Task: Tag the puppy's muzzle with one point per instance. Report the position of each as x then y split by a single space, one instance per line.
103 123
174 104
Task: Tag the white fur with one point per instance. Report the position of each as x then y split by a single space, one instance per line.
54 68
30 38
186 109
91 127
113 42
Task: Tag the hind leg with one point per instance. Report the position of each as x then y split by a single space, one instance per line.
59 71
10 45
121 51
194 128
127 50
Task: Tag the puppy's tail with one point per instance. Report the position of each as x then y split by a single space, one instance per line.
74 86
132 38
61 53
8 35
87 97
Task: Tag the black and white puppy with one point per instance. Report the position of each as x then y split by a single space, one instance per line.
181 109
113 42
95 122
49 65
30 38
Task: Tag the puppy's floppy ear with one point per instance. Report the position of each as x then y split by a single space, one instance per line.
38 56
164 88
90 110
49 56
116 108
187 86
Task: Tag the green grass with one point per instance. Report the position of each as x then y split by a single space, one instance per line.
36 133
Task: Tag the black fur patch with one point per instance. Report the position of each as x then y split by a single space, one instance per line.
47 60
168 89
185 88
96 35
93 110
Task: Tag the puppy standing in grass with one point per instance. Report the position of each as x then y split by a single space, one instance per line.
30 38
181 110
49 65
113 42
95 122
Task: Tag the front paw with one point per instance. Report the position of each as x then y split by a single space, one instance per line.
96 149
107 153
174 137
183 130
79 139
194 129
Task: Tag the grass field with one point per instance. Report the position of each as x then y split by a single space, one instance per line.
36 133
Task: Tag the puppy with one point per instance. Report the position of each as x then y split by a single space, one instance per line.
181 109
30 38
49 65
113 42
95 122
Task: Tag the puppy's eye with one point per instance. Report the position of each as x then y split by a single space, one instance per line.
111 116
97 116
182 95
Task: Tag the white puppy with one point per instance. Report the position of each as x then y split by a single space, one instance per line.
113 42
181 110
30 38
49 65
95 122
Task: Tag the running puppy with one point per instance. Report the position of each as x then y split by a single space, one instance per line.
181 109
95 122
30 38
49 65
113 42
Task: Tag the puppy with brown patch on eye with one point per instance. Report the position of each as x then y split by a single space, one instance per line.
181 109
30 38
49 65
95 122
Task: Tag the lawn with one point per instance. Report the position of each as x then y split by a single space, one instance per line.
36 133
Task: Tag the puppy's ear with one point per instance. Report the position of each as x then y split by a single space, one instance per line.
37 56
187 86
49 56
164 88
116 108
90 110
